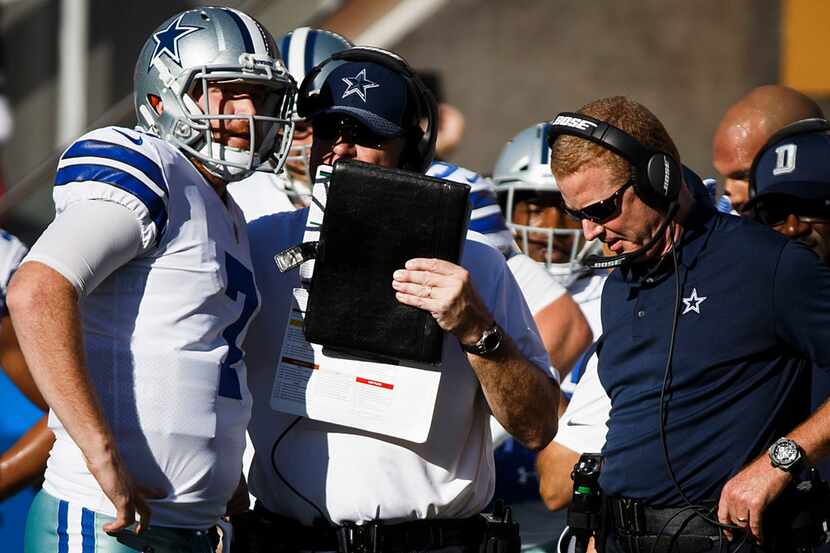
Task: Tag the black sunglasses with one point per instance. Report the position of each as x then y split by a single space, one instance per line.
332 127
600 211
776 210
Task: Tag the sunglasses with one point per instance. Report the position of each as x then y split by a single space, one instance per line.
328 127
773 214
601 211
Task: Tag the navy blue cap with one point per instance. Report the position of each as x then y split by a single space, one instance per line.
796 166
373 94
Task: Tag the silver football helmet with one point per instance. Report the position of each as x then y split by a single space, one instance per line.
302 49
523 171
209 45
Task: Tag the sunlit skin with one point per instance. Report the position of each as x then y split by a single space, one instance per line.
733 151
635 223
747 125
528 213
226 99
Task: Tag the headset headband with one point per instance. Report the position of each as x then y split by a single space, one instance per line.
803 126
601 133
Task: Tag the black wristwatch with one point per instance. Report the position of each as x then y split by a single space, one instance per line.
488 343
786 454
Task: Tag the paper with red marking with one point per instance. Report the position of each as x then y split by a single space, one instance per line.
394 400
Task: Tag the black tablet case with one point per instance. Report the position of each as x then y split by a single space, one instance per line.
375 220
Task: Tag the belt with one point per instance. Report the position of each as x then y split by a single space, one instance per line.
643 529
374 536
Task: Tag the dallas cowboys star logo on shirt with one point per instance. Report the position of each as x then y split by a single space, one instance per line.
358 84
693 302
167 41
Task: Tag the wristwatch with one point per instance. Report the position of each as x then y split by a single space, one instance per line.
488 343
786 454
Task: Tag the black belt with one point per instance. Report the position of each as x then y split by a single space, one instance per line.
371 537
643 529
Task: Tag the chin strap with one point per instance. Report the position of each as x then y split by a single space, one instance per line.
603 262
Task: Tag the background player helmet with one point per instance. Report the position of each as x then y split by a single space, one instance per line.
523 171
301 50
207 45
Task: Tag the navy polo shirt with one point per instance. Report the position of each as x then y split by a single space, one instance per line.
754 313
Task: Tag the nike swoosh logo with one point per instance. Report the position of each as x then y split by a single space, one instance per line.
472 179
137 141
572 423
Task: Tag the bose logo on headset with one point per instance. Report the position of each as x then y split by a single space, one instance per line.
666 173
574 122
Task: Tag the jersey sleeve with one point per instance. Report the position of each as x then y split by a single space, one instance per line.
583 425
120 166
538 286
12 252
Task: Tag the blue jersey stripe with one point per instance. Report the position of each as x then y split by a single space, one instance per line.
483 198
87 531
243 30
486 225
449 168
116 152
285 46
311 39
124 181
63 536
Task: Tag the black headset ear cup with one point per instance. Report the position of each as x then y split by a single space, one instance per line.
658 185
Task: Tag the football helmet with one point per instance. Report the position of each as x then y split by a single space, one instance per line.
204 46
523 172
302 49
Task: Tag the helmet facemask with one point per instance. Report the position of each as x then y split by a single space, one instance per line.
192 130
555 239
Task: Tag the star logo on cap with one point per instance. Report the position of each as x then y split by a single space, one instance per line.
167 41
358 84
692 303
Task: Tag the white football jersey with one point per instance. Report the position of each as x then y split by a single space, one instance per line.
12 252
261 194
163 332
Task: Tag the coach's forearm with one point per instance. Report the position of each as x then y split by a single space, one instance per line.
521 397
44 309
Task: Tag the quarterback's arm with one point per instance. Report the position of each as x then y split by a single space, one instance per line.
521 396
82 246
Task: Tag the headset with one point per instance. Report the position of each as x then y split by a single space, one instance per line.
420 144
803 126
655 175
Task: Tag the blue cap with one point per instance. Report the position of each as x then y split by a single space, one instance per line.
373 94
797 166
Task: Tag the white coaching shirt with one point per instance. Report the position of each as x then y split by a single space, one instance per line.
351 475
162 332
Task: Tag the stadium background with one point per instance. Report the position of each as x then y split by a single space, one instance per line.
505 64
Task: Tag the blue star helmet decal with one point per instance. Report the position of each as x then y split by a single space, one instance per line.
167 41
358 84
